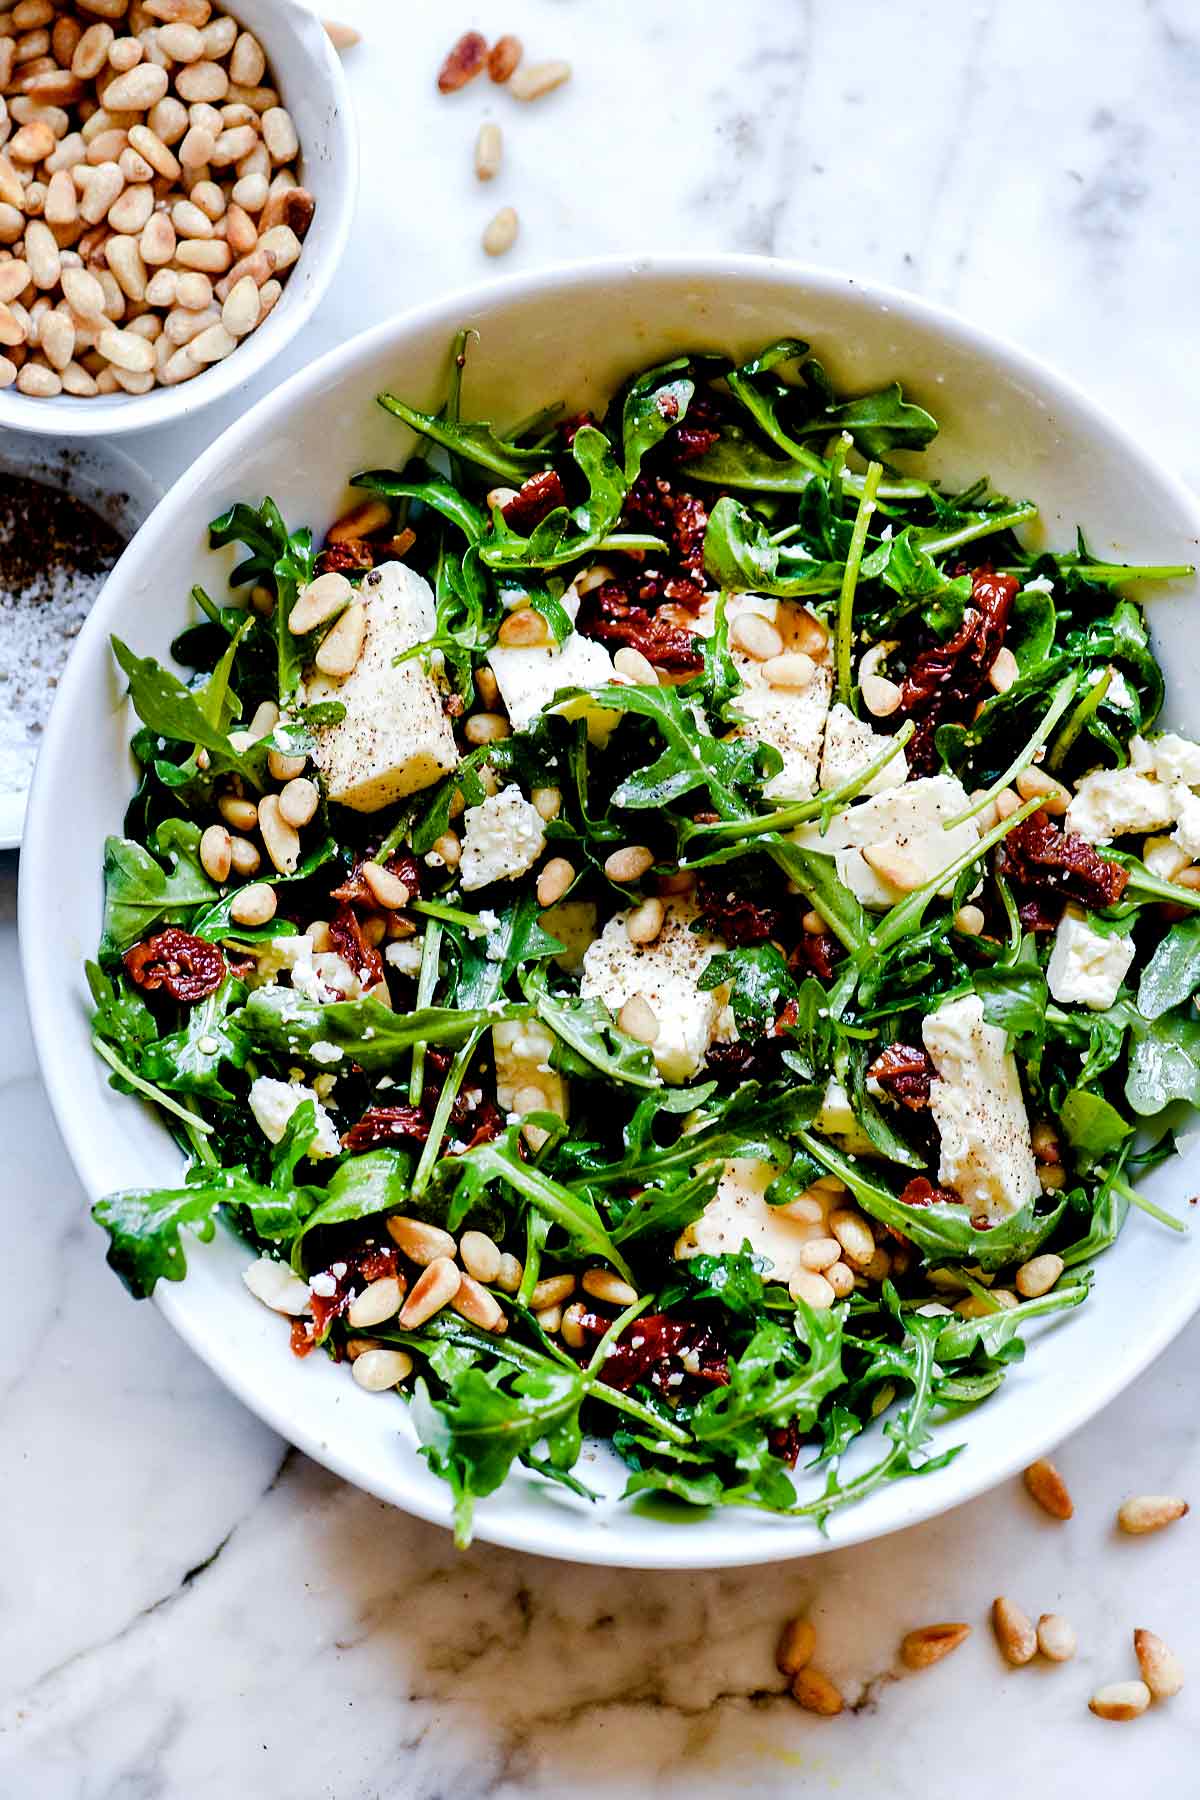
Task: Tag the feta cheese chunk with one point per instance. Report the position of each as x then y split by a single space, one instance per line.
525 1081
978 1108
909 819
739 1211
573 923
665 973
274 1102
1086 965
790 720
528 679
1187 821
1111 802
395 737
1175 759
502 838
837 1119
851 745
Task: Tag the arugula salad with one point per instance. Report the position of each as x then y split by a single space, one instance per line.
666 926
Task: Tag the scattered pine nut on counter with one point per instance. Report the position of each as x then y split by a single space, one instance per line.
150 202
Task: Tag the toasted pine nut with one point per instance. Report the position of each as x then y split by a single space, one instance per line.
378 1301
571 1326
818 1253
486 728
529 81
254 905
342 644
1006 803
500 233
554 880
813 1289
637 1019
279 134
895 865
840 1277
342 37
547 800
480 1255
551 1291
433 1289
241 814
1035 784
816 1693
645 922
319 602
1004 670
503 57
881 697
797 1641
1056 1637
1038 1275
1161 1669
969 920
360 521
1014 1631
510 1273
377 1370
473 1302
549 1318
1120 1700
928 1644
1047 1487
755 637
216 853
275 1285
1150 1512
421 1243
523 629
387 887
281 839
245 856
853 1234
792 670
602 1284
299 800
629 864
489 146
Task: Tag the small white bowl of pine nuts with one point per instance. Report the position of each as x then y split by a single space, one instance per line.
176 189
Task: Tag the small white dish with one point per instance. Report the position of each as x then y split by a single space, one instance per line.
118 489
570 335
312 85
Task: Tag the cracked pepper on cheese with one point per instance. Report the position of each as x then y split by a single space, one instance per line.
662 926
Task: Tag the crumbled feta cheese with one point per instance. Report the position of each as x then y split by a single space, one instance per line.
738 1211
502 838
1086 965
528 679
1163 858
1175 759
1118 692
851 745
274 1102
323 1051
790 720
522 1049
1112 802
1187 821
1041 584
910 819
665 973
978 1108
405 955
208 1045
395 737
323 1286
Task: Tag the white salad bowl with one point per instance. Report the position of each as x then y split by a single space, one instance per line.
312 85
569 335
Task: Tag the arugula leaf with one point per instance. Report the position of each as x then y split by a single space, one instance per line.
589 1032
486 964
1015 994
188 1061
773 1383
652 406
436 493
141 892
285 1024
882 422
475 441
760 985
169 709
552 542
359 1188
143 1226
1094 1129
286 560
1164 1064
1172 974
740 556
568 1208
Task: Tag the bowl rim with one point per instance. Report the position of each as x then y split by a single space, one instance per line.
42 968
67 416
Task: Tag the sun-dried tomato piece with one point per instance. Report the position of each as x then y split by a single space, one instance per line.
664 1351
1040 857
691 441
569 427
488 1123
354 889
733 916
348 940
350 558
464 61
817 953
537 497
905 1073
920 1191
945 680
671 513
188 967
386 1125
612 618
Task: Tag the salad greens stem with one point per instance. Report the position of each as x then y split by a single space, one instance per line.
427 982
1087 708
1120 1186
845 615
1063 695
107 1054
432 1147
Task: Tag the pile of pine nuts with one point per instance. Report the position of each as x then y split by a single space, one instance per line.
149 201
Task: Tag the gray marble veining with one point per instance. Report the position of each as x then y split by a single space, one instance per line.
193 1611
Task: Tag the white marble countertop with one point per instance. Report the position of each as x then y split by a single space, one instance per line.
192 1610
